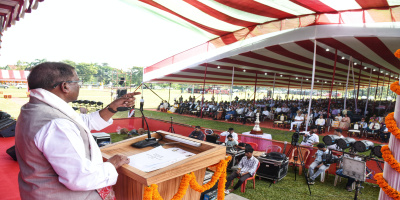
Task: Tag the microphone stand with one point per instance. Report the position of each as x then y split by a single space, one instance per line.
149 141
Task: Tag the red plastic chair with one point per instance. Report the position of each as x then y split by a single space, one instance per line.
254 145
243 188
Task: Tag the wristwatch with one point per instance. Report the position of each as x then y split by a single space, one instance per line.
111 110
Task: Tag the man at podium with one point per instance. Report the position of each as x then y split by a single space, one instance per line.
56 152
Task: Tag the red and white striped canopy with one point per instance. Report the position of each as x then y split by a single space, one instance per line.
14 75
267 37
12 10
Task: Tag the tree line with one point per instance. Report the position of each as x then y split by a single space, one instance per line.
93 73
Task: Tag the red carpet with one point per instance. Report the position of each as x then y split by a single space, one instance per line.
9 170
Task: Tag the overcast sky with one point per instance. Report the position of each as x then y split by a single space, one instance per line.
101 31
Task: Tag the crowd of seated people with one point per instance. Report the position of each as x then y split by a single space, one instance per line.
295 113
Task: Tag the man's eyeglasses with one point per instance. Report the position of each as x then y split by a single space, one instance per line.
79 83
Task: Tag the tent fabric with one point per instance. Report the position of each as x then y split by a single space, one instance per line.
233 24
290 54
12 10
14 75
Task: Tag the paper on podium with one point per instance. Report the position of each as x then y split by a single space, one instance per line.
158 158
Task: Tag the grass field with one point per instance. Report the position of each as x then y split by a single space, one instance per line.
287 188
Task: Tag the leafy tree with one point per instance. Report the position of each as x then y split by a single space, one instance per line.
86 71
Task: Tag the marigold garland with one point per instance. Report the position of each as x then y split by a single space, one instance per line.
151 192
395 87
386 153
392 126
386 187
389 158
397 53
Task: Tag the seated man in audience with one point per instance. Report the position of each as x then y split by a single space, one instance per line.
337 132
231 142
311 138
249 115
373 127
298 120
320 122
264 114
197 133
318 163
246 169
230 132
384 133
363 127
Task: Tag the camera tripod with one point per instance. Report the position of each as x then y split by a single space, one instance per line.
295 144
171 128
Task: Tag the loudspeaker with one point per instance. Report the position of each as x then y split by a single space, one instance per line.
121 81
121 92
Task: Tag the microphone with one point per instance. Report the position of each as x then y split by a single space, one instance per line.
149 141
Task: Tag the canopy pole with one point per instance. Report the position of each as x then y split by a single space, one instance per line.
202 98
169 93
322 86
381 91
369 85
354 85
301 88
233 74
387 91
333 80
347 82
288 91
273 87
359 79
312 84
255 91
376 91
193 90
213 94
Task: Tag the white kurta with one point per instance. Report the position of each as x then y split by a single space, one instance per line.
61 143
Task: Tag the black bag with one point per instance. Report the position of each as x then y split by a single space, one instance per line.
275 156
11 152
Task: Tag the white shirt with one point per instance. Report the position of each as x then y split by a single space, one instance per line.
334 146
61 143
248 165
141 100
265 112
226 133
298 118
320 122
309 141
374 126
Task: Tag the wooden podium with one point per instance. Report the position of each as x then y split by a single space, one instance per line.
131 181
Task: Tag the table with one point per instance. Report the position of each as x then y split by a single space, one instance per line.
262 140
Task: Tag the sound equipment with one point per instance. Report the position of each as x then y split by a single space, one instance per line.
7 129
273 166
121 81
